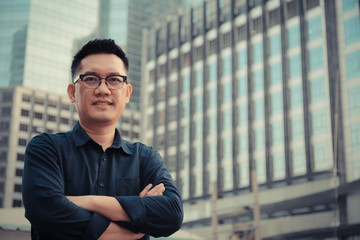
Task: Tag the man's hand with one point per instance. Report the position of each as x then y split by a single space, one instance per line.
158 190
114 231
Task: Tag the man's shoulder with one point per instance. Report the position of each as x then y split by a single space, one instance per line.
141 148
55 138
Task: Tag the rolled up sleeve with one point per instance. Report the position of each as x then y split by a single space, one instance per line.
157 215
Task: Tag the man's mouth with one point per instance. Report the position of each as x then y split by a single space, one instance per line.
102 103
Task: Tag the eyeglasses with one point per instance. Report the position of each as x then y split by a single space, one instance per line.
93 81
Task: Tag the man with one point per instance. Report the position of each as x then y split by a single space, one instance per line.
90 183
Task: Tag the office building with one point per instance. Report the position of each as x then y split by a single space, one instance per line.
37 39
235 87
124 20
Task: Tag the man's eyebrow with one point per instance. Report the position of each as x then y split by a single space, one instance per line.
95 73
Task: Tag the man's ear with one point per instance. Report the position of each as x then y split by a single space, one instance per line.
71 92
128 92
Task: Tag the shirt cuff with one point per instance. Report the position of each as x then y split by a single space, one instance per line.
135 209
96 227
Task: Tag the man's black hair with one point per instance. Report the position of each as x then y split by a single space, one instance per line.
98 46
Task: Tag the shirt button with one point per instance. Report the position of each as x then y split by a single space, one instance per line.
104 159
102 184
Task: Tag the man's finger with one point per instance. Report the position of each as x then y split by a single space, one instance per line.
156 190
145 190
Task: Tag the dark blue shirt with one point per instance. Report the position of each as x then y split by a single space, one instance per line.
72 164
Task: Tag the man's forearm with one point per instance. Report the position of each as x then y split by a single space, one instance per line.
106 206
114 231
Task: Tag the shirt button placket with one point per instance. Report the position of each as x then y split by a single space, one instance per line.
102 174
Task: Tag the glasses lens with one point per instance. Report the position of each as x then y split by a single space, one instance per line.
115 82
91 81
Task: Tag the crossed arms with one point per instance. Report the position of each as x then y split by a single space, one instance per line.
110 208
55 213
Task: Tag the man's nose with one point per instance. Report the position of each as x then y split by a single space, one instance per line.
103 87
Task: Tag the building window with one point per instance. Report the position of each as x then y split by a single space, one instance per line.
260 170
242 59
352 30
275 45
17 203
65 107
64 121
227 65
353 65
227 92
242 86
291 9
317 90
162 70
227 119
24 112
354 100
314 30
319 122
51 118
259 109
186 108
20 157
212 47
7 97
278 161
322 159
19 172
212 98
277 133
297 128
350 4
257 52
310 4
199 77
198 54
26 98
355 137
39 101
256 25
294 37
212 124
199 103
298 161
274 17
173 65
276 103
212 72
227 146
22 142
6 111
186 59
296 99
259 138
3 157
186 83
243 143
316 59
23 127
199 129
4 126
38 115
52 103
226 40
295 66
276 73
17 188
243 114
241 33
258 80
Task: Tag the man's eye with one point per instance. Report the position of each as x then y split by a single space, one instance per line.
90 79
114 80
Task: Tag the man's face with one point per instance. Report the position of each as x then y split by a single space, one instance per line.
100 105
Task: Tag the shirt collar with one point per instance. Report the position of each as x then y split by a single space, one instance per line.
81 138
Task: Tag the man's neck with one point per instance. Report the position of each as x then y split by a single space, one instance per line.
103 134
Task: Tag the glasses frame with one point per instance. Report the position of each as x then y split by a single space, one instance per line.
81 76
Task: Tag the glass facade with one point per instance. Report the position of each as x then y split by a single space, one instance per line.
38 38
